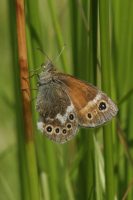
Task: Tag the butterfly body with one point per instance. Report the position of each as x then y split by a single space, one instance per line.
65 103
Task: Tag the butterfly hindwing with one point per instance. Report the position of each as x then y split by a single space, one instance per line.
58 119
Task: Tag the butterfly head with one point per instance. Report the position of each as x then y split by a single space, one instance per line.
48 69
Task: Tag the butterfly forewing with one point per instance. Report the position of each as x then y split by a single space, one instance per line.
93 107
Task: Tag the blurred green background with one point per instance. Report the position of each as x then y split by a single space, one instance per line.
98 163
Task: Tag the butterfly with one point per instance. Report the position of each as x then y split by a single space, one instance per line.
65 104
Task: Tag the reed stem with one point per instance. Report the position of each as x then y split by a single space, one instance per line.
26 102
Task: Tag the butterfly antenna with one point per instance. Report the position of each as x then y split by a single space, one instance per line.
57 57
44 53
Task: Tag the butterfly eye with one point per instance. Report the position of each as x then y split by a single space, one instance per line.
57 130
38 84
89 115
64 131
71 117
102 106
49 129
69 126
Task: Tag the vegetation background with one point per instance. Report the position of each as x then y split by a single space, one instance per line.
98 163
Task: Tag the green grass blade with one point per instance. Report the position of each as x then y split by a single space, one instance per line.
60 41
106 81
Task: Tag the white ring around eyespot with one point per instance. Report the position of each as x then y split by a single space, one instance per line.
47 127
105 104
64 129
55 130
73 117
67 127
88 117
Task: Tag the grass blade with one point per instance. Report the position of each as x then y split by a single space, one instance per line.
106 81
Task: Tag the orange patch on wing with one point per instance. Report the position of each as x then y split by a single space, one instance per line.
80 92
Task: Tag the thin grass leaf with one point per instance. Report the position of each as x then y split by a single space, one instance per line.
60 41
106 85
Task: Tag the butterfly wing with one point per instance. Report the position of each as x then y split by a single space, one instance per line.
58 119
92 106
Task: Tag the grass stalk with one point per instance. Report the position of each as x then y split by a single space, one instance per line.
74 33
26 102
19 119
129 84
129 174
106 80
60 41
69 187
52 170
34 27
